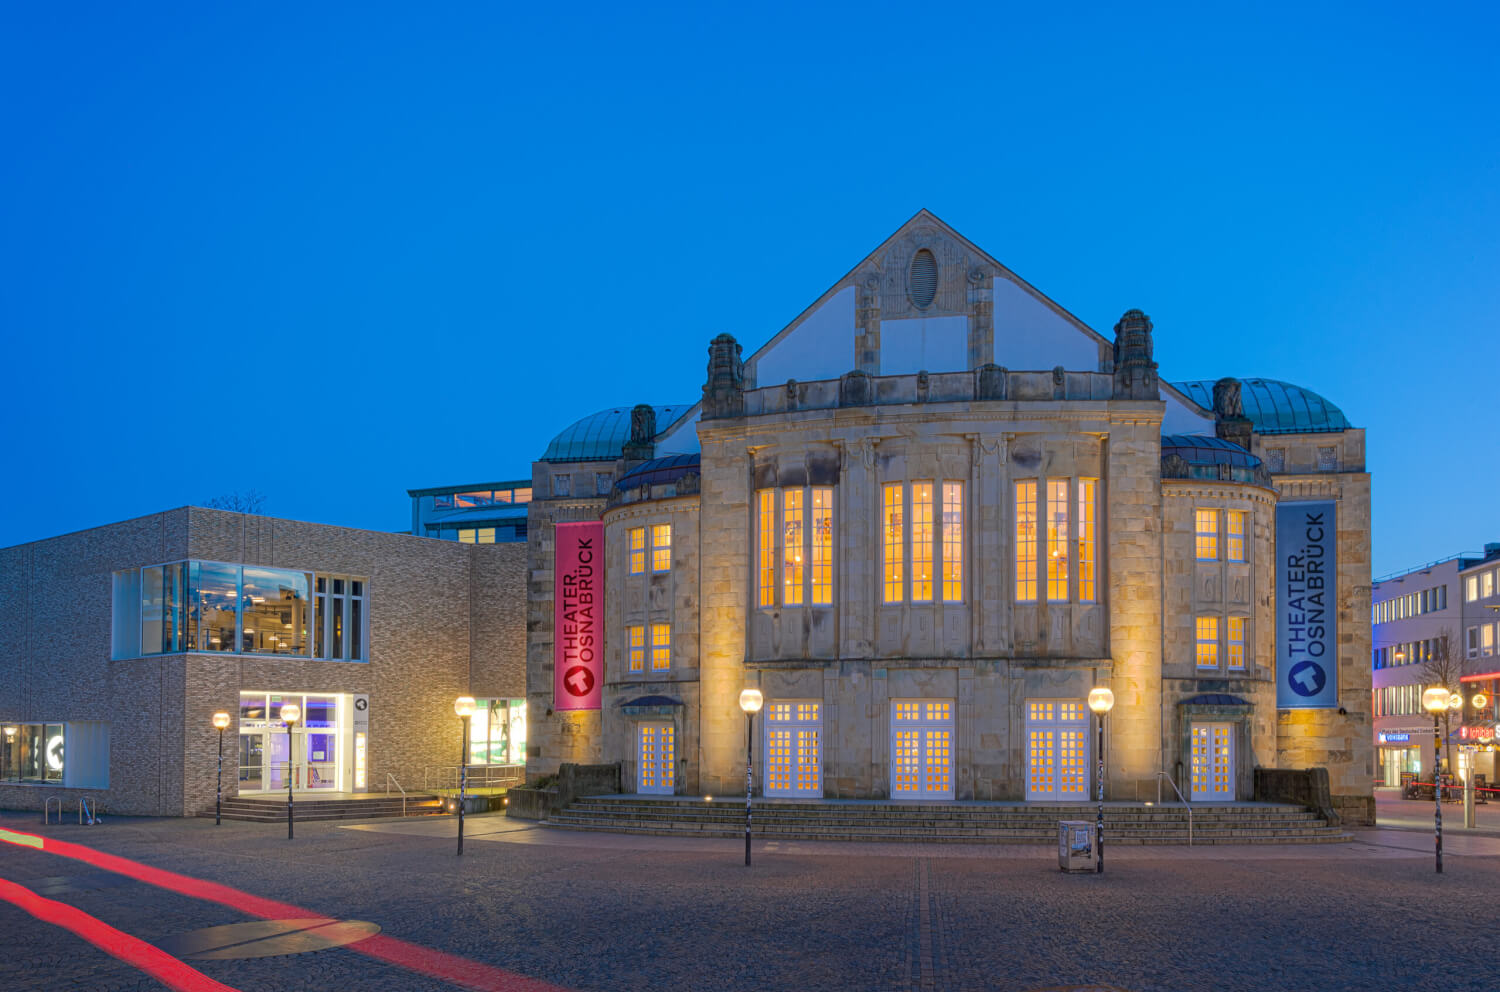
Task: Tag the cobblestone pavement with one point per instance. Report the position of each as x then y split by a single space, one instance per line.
593 912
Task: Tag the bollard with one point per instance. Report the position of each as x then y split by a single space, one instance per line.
1469 801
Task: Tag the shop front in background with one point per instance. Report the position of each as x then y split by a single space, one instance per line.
323 753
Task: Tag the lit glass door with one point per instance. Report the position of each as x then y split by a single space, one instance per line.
277 767
1057 750
252 762
922 749
320 757
657 759
793 760
1213 761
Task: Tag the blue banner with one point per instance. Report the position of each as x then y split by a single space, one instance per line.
1307 606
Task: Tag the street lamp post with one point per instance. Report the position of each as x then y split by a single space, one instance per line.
10 745
751 701
1435 701
1101 701
290 714
464 707
221 720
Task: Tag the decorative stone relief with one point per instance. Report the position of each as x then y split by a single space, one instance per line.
953 266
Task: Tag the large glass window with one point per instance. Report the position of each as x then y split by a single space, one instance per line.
1236 535
953 541
339 619
637 537
922 532
1088 537
214 597
33 752
661 547
767 507
791 529
1208 642
822 547
497 732
1207 522
894 550
1026 540
637 635
161 609
661 647
275 612
1236 642
1057 540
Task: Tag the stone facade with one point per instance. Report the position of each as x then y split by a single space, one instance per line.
445 619
1097 419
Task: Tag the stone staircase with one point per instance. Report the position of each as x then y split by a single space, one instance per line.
265 809
946 823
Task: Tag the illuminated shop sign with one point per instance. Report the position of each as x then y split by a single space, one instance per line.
1306 614
1395 738
578 615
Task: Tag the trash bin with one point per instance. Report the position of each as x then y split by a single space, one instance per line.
1075 845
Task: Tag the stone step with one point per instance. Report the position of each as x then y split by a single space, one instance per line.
1324 836
945 822
271 811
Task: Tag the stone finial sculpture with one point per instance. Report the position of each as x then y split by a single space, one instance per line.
1135 371
724 393
1230 422
641 445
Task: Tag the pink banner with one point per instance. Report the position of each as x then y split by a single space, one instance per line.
578 617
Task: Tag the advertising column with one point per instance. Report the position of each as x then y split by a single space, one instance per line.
1306 614
578 617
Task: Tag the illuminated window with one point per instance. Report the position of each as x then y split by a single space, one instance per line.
1208 534
637 550
822 547
1486 585
1026 541
895 575
1057 539
1235 545
637 648
953 542
922 534
1236 642
1486 639
661 547
1087 540
1208 642
661 647
1471 588
791 547
767 500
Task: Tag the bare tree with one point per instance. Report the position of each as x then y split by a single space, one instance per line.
244 501
1445 667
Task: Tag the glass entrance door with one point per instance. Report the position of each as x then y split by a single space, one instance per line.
252 762
277 766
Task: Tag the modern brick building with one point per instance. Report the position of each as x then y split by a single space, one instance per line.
117 645
925 519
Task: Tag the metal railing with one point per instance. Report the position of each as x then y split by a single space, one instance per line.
391 780
444 778
47 809
1185 803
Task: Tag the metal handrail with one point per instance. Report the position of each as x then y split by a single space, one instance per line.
1185 803
479 777
389 781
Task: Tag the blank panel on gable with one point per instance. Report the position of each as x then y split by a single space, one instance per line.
1030 336
820 347
931 344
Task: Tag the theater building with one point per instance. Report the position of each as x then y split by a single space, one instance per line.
925 518
119 643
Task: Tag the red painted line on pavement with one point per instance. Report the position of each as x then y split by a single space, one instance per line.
413 957
160 965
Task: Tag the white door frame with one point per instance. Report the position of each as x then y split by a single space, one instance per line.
1211 768
792 748
656 758
1057 735
923 748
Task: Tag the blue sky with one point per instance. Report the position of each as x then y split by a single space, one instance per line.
332 252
